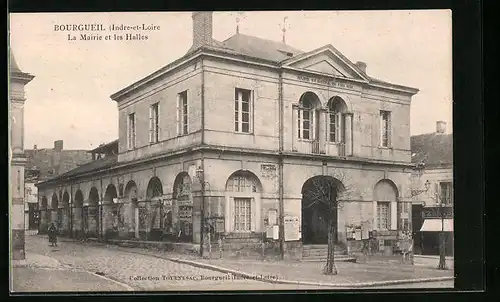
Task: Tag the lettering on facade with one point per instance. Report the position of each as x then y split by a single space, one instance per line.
324 81
292 228
438 212
268 170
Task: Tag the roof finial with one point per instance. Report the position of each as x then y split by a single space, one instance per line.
238 19
283 29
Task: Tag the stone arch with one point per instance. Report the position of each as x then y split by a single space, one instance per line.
78 203
243 181
43 205
54 204
78 226
155 188
309 100
130 194
182 207
110 194
385 190
385 197
93 197
91 214
317 194
243 202
64 213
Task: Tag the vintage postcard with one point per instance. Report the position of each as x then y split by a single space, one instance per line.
172 151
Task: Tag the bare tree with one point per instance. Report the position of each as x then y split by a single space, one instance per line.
327 189
441 201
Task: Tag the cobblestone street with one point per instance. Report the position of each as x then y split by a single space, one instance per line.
143 272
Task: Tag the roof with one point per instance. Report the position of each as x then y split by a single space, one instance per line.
105 162
433 149
260 48
251 47
105 147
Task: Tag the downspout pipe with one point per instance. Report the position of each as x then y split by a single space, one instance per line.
280 168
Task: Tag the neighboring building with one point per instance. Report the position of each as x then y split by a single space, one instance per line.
432 208
241 132
43 164
17 81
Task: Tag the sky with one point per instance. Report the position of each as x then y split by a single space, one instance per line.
69 98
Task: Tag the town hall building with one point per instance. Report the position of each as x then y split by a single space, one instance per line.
235 139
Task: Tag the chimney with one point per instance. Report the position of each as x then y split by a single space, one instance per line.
440 127
202 29
361 65
58 146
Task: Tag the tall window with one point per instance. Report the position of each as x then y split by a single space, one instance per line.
383 215
385 128
242 110
306 120
242 214
182 113
446 192
131 131
154 124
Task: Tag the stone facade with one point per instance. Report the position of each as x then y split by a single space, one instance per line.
248 177
18 80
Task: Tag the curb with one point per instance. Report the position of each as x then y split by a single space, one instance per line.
256 277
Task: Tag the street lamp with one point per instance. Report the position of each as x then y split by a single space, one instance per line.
416 192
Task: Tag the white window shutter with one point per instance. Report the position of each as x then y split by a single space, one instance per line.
299 122
250 109
381 126
178 119
158 122
187 113
394 215
128 131
389 130
151 124
253 215
436 192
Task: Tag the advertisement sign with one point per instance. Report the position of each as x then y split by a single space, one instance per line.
292 228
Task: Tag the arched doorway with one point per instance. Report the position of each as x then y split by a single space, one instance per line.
132 207
149 212
110 213
92 223
64 213
385 196
44 215
182 218
319 198
54 205
77 214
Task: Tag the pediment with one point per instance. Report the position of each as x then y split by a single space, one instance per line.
326 60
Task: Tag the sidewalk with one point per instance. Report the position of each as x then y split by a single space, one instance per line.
372 271
41 273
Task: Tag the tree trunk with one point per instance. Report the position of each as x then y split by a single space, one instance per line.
330 268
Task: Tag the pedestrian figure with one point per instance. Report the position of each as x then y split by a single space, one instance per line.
52 235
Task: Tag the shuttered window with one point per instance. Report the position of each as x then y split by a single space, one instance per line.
383 215
385 128
242 214
131 131
182 114
154 126
242 110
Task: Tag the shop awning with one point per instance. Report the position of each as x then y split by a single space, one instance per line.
435 225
